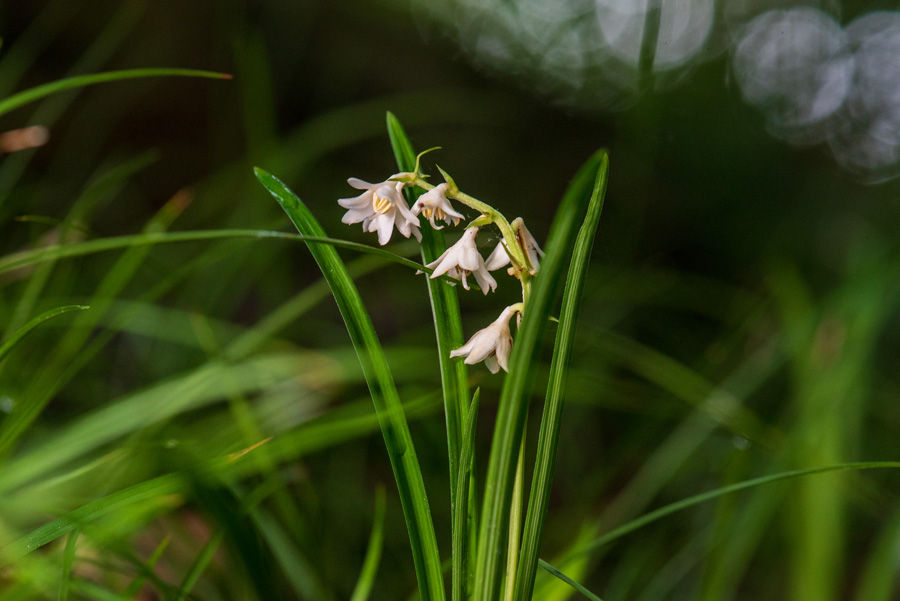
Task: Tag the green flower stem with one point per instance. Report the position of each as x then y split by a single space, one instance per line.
518 256
515 526
509 236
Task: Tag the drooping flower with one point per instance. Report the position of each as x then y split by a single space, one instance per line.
500 257
491 344
380 208
463 259
434 204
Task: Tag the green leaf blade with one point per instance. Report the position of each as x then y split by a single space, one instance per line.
27 96
395 429
445 311
514 397
20 333
553 405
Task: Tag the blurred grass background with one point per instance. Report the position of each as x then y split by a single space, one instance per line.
740 315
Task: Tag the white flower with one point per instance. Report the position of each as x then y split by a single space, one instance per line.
380 208
500 258
434 204
461 259
491 344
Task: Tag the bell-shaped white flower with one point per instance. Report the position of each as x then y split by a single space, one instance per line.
380 208
500 257
463 259
491 344
434 204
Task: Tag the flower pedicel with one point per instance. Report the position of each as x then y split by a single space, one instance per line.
381 207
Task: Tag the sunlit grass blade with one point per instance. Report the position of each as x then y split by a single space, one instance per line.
712 494
373 554
67 560
20 333
578 587
69 353
445 312
135 586
52 530
22 98
64 251
397 437
517 385
460 556
199 565
556 390
143 408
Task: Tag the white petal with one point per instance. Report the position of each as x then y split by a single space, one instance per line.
385 226
467 347
498 258
504 344
485 280
484 345
356 215
447 208
357 202
444 264
492 364
359 184
435 263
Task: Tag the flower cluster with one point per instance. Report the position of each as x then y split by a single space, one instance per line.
382 207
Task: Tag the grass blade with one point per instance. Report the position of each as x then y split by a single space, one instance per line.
22 98
395 429
64 251
718 492
67 561
135 586
578 587
445 312
373 553
514 397
461 511
35 322
204 557
556 388
149 489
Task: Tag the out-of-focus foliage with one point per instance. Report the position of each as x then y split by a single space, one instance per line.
204 429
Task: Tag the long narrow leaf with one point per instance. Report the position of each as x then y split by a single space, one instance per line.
199 565
35 322
556 389
445 312
395 429
461 545
50 253
578 587
514 397
373 553
27 96
712 494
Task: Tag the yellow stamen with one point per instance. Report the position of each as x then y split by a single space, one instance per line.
427 212
381 204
